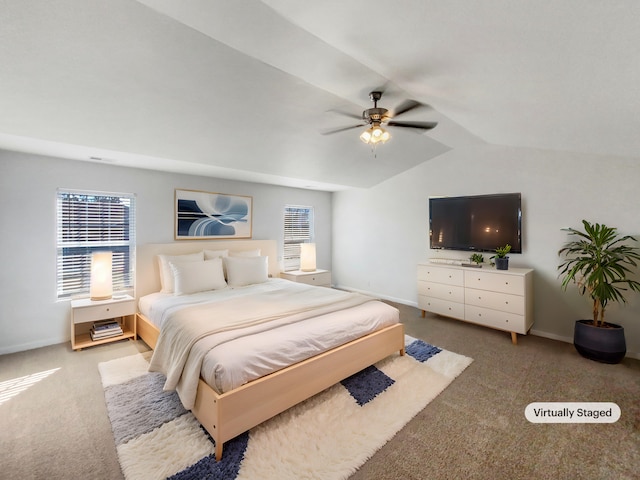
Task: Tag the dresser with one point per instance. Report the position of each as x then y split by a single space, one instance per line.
500 299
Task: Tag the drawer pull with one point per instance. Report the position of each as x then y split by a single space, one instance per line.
107 309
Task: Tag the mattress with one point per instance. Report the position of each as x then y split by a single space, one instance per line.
236 360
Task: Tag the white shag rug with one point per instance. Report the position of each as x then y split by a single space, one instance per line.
326 437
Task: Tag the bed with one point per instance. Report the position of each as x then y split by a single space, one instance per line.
229 408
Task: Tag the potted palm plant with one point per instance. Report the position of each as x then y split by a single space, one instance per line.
598 260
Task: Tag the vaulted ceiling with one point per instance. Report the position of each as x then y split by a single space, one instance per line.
243 89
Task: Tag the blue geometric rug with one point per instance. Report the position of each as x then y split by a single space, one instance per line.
326 437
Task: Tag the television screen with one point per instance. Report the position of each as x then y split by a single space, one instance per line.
479 223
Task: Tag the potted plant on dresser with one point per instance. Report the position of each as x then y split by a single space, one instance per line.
598 260
501 258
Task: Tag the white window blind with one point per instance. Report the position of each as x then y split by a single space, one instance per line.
298 228
89 222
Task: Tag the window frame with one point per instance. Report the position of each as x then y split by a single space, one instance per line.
88 221
293 237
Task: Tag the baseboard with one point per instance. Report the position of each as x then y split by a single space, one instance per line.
378 295
552 336
31 345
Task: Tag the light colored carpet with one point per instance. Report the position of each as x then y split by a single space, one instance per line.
326 437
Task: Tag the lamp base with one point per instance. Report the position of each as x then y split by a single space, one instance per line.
109 297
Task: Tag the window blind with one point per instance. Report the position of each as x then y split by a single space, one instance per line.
298 228
90 222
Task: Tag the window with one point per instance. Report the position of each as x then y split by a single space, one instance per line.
89 222
298 228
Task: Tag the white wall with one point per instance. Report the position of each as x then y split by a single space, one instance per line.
30 315
381 233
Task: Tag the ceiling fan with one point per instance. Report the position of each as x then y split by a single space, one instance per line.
376 117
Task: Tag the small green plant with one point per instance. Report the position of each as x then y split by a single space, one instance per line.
477 258
502 252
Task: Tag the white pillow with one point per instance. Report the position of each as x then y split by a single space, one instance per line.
246 253
243 271
166 274
211 254
193 277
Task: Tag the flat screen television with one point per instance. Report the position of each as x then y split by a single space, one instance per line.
478 223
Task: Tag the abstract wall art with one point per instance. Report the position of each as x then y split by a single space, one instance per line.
205 215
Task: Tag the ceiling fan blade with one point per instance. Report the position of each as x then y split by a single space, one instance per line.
346 114
417 125
342 129
406 106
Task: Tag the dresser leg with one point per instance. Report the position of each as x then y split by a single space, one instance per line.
423 313
514 338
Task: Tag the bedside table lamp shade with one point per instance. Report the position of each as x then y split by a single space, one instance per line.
101 287
308 257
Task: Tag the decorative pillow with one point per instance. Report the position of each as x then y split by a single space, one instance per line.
246 253
166 274
193 277
243 271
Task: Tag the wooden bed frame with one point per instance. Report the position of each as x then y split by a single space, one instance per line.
227 415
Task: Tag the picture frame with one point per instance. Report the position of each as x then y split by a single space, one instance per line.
203 215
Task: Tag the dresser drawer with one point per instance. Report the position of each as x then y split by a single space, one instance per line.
504 302
496 282
442 291
323 278
441 307
109 310
450 276
495 319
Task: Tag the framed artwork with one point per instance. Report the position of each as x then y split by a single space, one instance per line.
205 215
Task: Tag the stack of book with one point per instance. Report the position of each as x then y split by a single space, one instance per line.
105 329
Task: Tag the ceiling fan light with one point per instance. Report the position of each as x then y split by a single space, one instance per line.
374 135
379 135
366 135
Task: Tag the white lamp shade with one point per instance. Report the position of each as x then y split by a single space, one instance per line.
101 287
308 257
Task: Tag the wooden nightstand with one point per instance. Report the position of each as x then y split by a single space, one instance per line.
84 312
321 278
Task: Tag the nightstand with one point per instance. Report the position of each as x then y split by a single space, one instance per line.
84 312
321 278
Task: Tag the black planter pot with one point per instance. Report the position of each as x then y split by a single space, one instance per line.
605 345
502 263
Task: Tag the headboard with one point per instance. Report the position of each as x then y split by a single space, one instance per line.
148 273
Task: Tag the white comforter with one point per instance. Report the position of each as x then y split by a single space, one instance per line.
190 332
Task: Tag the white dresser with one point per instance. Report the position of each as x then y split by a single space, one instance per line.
501 299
